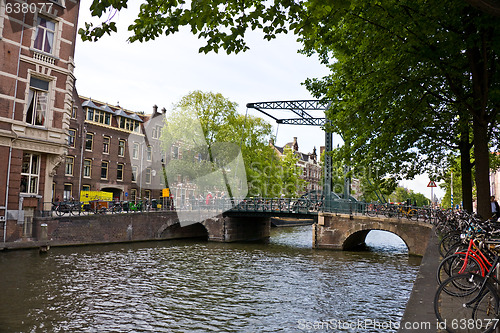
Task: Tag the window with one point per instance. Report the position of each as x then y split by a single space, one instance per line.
89 141
135 151
133 194
134 174
147 195
70 162
30 173
175 152
85 187
121 148
68 192
38 99
119 172
156 132
73 112
104 170
148 175
149 153
105 144
87 168
129 124
71 137
107 118
90 114
45 31
99 116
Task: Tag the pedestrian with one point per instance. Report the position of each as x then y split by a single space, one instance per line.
208 201
495 209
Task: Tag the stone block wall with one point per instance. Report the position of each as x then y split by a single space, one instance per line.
345 232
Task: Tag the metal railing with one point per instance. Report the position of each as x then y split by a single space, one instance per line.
257 206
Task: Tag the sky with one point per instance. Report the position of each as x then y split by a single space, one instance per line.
140 75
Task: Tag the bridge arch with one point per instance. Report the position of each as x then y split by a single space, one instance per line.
175 230
357 240
343 232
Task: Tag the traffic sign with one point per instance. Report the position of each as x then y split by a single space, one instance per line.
431 184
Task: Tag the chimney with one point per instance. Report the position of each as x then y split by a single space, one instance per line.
295 144
155 109
163 110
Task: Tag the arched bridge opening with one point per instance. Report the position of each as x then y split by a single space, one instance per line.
358 240
343 232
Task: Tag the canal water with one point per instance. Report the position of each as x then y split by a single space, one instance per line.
190 286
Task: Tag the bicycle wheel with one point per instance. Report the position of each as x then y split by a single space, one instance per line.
412 214
389 212
75 209
370 210
447 241
59 211
457 247
473 309
454 264
86 209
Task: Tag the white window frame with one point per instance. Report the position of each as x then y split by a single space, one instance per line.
67 197
86 174
135 173
106 145
48 34
37 105
69 166
121 148
31 173
135 151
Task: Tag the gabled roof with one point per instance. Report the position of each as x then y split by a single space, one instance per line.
90 104
107 109
121 113
135 117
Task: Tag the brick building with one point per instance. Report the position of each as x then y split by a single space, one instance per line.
111 149
37 45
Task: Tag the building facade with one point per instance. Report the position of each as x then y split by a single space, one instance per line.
37 45
312 171
114 150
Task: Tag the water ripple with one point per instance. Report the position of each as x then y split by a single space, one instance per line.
184 286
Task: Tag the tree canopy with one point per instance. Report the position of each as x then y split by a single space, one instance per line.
409 79
222 150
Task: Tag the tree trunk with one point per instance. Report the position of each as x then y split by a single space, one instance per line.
466 167
482 158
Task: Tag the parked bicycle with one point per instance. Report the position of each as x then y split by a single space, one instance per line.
467 298
66 207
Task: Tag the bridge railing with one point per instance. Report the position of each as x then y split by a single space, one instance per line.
267 206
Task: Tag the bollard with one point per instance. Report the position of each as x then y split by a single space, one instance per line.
44 237
43 232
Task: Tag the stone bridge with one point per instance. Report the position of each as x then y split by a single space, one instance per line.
332 231
345 232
